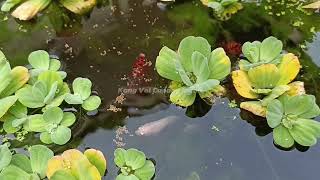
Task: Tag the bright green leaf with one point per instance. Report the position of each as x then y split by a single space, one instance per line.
92 103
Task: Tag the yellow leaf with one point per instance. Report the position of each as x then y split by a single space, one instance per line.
20 76
288 68
242 84
315 5
255 107
296 89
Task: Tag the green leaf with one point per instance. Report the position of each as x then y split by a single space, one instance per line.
53 115
135 159
303 135
205 86
61 135
21 161
8 5
200 67
35 123
6 103
45 137
14 173
18 110
51 94
183 97
39 90
5 156
314 110
282 137
270 49
181 71
275 93
165 64
146 172
62 175
298 105
92 103
73 99
219 64
275 113
119 157
18 122
39 157
189 45
97 159
311 126
124 177
39 60
27 98
7 125
82 86
54 65
252 51
68 119
49 78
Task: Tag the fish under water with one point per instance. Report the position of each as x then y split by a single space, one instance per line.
155 127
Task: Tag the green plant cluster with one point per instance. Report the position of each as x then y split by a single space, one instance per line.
223 9
31 98
133 165
265 75
42 164
194 69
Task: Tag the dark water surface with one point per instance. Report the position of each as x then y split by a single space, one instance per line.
104 46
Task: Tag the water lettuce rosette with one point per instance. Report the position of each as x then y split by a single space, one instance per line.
223 9
193 69
266 74
73 165
292 120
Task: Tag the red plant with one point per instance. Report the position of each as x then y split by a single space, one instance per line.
232 48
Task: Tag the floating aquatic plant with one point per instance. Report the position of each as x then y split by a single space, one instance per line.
291 118
266 75
20 166
74 165
193 69
82 95
223 9
133 165
40 88
26 10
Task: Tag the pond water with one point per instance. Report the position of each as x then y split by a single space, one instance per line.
217 142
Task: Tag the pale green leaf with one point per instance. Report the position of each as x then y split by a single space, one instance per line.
165 64
39 157
5 156
200 67
146 172
53 115
189 45
82 86
92 103
61 135
282 137
39 60
275 113
68 119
